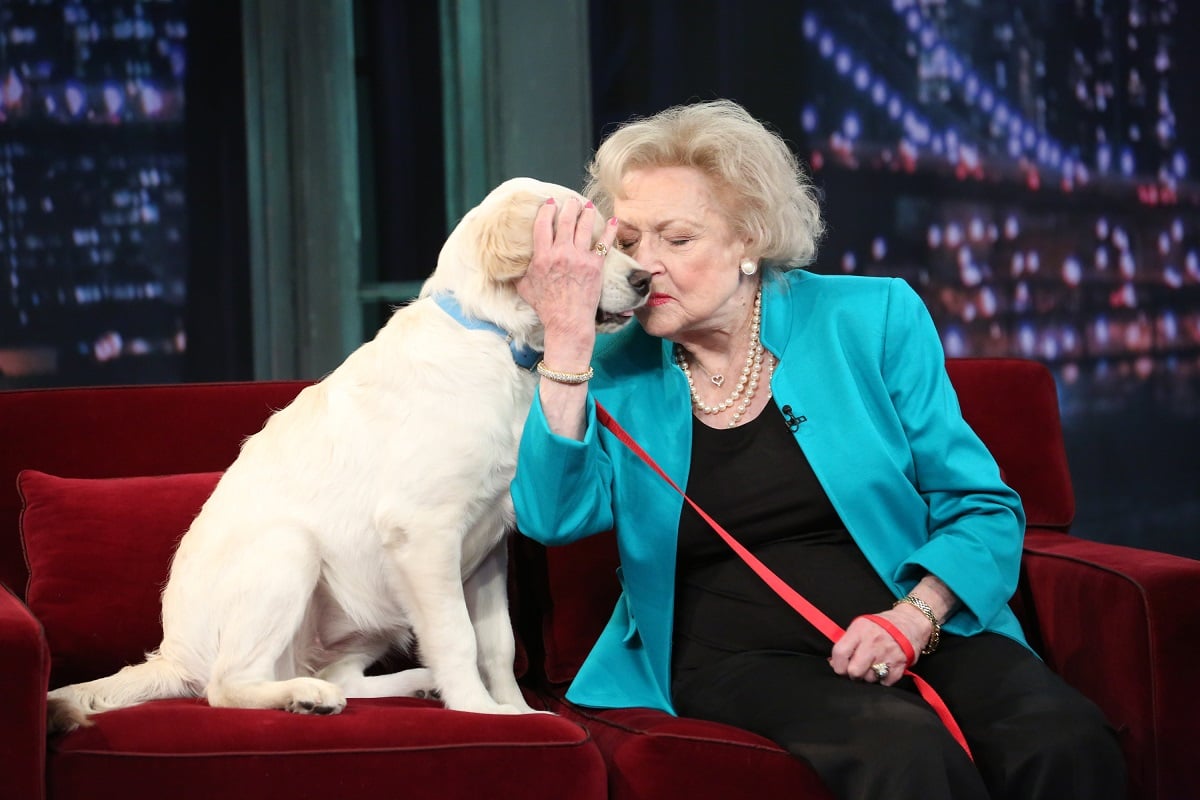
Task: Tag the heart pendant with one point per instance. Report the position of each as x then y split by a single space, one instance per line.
718 380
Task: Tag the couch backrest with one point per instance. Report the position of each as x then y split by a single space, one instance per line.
1012 404
122 431
567 593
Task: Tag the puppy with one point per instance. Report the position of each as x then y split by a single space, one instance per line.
371 512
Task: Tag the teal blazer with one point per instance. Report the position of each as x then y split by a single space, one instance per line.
860 360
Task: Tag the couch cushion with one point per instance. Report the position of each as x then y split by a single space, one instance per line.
98 552
653 754
394 747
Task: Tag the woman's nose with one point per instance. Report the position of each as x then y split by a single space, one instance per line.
649 262
646 252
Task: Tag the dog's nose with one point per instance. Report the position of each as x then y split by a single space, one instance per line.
640 279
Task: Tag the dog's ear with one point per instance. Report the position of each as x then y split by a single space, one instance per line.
506 235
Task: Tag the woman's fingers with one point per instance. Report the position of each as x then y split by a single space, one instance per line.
867 653
609 237
543 227
563 282
584 221
571 231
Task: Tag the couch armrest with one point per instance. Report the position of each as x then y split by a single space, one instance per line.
1122 625
24 676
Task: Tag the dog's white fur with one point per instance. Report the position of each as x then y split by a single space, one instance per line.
371 511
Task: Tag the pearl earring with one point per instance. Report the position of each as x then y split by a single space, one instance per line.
749 267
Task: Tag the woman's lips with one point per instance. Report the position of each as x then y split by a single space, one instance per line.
657 299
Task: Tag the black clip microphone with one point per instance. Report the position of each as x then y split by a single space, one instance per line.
793 422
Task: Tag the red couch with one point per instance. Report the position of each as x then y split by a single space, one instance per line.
110 477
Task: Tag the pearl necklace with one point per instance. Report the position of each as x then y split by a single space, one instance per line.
749 379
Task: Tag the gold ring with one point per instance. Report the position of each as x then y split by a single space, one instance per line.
601 248
881 670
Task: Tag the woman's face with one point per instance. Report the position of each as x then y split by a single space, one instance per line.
674 225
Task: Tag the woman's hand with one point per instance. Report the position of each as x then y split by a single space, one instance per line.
564 280
563 285
866 644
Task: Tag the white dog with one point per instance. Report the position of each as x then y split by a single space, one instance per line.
372 511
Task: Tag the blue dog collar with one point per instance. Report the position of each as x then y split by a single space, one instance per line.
525 357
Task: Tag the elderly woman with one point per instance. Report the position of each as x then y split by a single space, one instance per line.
812 417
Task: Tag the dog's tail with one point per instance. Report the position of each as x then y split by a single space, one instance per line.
156 678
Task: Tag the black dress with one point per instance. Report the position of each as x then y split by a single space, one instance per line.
742 656
756 482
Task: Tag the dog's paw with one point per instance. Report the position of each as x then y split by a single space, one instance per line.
498 708
510 708
508 693
63 716
525 708
493 708
416 682
311 696
517 706
308 707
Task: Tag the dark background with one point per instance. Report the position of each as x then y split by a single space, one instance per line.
1027 166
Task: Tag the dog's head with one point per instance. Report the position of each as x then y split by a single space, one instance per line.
490 250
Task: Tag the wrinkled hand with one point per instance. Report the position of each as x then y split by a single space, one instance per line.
866 643
564 278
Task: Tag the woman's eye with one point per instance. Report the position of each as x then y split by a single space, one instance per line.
677 242
625 244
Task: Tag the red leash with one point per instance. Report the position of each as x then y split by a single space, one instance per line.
814 615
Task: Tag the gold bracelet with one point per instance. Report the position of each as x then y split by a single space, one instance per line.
935 636
569 378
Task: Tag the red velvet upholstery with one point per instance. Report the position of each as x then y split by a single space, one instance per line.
653 755
105 432
24 674
95 432
98 551
1122 626
1115 622
1012 405
375 748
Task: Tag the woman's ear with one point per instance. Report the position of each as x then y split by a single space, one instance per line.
749 251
